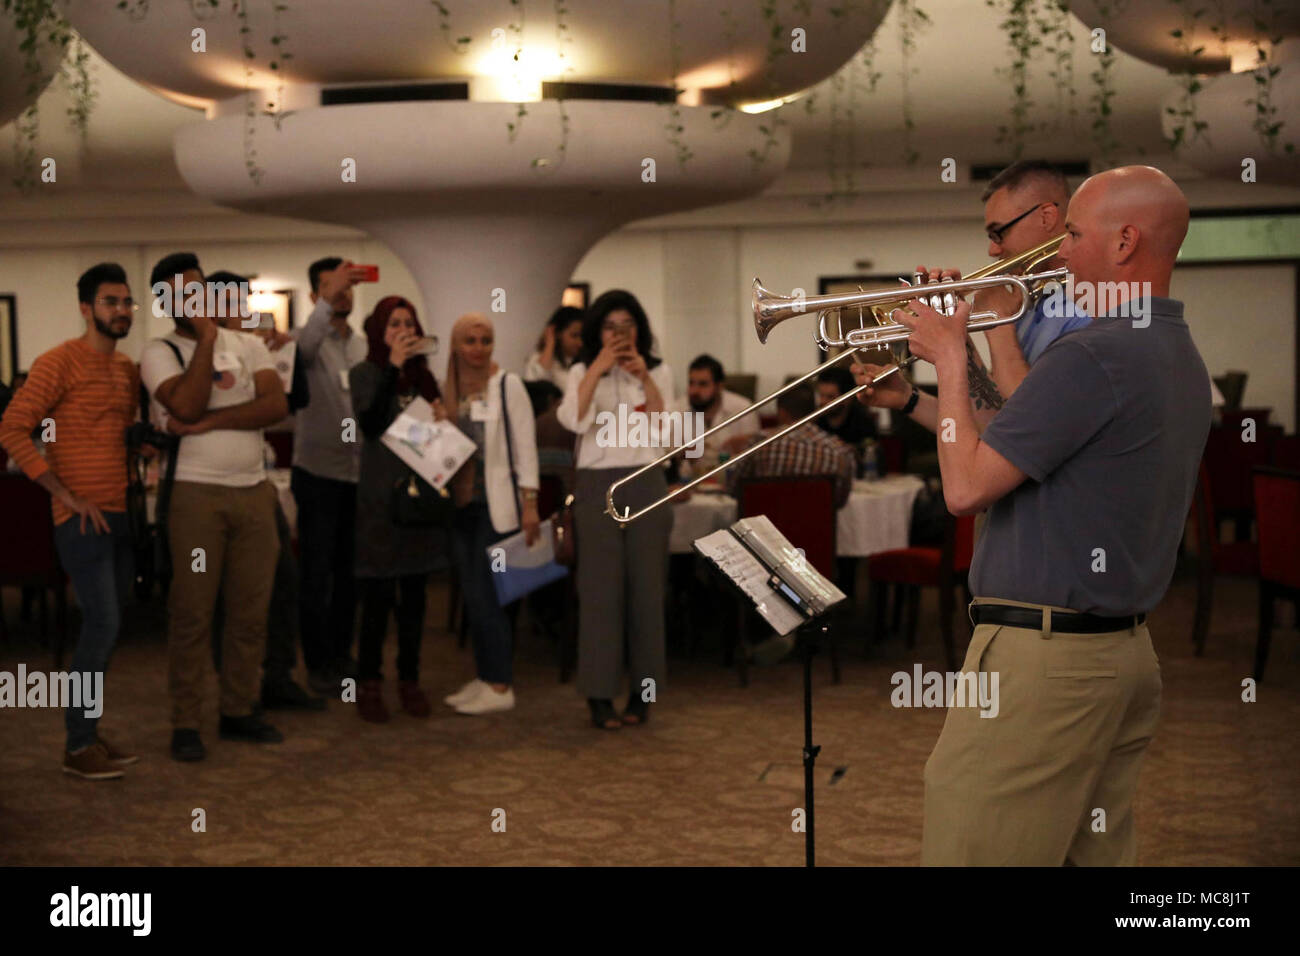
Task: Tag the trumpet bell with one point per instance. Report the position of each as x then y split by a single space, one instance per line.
769 310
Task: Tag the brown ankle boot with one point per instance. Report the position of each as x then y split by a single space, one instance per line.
413 700
370 702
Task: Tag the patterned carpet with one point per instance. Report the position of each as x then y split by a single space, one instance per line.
712 779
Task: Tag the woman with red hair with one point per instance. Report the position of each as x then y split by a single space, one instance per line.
393 560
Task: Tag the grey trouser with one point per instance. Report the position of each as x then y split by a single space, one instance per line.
621 574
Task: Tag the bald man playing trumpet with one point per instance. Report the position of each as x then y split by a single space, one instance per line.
1087 473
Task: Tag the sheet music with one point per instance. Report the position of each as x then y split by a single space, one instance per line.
735 561
776 551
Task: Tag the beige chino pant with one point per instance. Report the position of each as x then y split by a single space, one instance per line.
1023 788
235 528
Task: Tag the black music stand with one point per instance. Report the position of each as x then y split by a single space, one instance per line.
808 636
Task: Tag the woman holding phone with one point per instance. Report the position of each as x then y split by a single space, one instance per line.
393 560
621 571
495 493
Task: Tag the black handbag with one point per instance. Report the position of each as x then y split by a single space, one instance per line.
417 504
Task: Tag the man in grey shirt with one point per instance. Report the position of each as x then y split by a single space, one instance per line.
326 464
1088 473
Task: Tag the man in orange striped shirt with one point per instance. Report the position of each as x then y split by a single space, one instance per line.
82 395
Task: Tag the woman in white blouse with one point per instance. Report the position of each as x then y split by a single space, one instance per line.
559 345
620 571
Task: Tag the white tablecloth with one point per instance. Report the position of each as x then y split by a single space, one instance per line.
876 517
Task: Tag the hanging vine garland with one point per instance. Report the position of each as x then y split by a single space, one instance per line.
1022 41
911 20
1188 126
722 115
1104 88
279 54
1056 28
251 108
516 27
1265 121
459 44
562 40
76 73
776 49
675 127
41 27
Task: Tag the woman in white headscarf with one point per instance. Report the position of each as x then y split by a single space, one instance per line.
495 493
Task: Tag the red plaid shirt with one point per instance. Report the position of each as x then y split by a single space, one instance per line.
805 451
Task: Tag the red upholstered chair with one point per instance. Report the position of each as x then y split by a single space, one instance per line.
803 509
30 560
914 568
1277 498
1286 452
1214 556
1229 461
892 454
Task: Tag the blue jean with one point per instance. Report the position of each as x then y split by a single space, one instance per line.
100 567
488 625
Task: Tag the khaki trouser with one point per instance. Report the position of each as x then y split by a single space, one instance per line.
236 529
1024 788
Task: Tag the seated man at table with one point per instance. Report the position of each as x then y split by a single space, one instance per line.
805 451
279 691
706 395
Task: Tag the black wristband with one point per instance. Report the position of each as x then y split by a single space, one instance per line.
911 402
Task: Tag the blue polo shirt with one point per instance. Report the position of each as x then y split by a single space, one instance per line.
1053 316
1109 429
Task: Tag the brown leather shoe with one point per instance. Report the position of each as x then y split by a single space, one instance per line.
92 763
116 755
370 702
413 700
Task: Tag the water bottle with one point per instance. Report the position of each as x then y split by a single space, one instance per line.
870 463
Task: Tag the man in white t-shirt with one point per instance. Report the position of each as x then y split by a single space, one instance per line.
217 389
705 394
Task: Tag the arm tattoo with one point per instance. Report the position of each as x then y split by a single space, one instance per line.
983 392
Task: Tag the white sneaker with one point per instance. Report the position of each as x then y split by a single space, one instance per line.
487 701
468 692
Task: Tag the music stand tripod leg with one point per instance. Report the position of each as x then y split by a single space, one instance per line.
808 645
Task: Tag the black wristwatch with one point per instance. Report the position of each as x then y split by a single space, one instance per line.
911 402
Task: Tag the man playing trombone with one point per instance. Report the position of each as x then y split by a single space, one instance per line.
1087 471
1024 206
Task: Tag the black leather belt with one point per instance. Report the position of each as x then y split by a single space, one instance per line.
1062 621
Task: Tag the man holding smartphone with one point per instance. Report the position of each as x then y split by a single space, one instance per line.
326 466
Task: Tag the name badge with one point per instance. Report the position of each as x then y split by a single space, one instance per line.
225 362
343 380
479 412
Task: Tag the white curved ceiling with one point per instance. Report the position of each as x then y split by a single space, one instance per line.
958 100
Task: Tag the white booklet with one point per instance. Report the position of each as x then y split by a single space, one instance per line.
517 554
434 450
